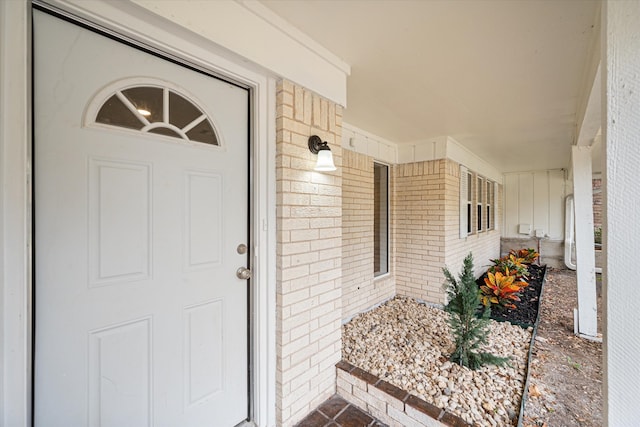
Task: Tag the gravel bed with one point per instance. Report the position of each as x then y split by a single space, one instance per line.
407 343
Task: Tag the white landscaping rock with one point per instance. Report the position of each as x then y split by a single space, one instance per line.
407 344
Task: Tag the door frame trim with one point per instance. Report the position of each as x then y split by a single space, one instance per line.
16 232
15 213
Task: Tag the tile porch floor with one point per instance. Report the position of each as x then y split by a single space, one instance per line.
337 412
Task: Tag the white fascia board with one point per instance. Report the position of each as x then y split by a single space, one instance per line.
423 151
230 30
363 142
406 153
589 117
431 150
445 147
460 154
590 124
254 32
282 25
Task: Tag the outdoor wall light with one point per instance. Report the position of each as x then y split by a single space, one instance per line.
325 158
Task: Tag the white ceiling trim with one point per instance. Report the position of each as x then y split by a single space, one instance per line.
244 28
126 19
294 33
443 147
461 154
446 147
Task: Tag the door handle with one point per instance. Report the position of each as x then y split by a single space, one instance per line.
244 273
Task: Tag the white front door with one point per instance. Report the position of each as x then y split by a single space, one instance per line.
140 319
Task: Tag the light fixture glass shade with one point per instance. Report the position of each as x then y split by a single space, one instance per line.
325 161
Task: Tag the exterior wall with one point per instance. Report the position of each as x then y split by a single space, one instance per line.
418 220
484 245
427 222
308 253
360 290
552 250
535 198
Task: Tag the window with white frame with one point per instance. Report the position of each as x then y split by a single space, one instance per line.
469 203
478 199
480 203
466 202
380 219
490 204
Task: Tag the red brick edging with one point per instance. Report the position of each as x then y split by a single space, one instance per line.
387 402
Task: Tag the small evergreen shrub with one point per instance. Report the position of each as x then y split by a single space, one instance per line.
469 330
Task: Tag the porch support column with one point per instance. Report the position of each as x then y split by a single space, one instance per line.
585 249
621 201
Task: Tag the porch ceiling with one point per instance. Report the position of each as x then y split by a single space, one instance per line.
504 78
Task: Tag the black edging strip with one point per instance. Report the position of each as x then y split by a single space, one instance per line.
525 392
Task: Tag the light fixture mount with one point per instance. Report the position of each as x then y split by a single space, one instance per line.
324 163
316 144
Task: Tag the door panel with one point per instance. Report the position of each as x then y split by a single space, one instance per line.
140 319
119 221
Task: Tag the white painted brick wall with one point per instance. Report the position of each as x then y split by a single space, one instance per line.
325 246
309 253
483 245
418 220
426 217
359 289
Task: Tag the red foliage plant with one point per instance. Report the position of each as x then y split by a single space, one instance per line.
501 289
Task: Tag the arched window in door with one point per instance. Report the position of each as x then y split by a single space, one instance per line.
156 109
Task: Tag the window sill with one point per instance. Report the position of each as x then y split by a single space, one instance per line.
382 276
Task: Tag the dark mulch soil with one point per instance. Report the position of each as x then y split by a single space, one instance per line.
526 312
